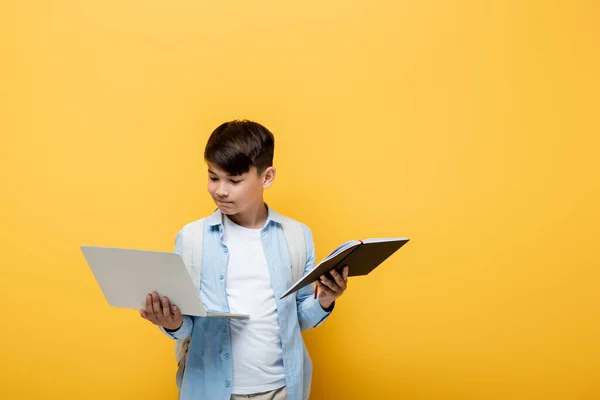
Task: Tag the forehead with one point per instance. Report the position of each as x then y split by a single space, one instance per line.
215 170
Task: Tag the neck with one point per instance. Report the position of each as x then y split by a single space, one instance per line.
253 217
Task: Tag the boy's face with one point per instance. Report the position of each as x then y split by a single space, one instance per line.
235 193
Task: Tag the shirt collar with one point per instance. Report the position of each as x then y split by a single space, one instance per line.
216 218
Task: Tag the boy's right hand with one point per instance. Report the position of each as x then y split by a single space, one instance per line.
162 313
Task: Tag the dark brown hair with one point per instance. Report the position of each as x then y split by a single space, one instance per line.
238 145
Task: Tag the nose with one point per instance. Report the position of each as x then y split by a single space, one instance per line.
221 191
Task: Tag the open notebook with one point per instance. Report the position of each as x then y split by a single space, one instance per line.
126 276
361 256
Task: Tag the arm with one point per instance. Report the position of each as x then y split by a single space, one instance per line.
185 330
167 317
310 312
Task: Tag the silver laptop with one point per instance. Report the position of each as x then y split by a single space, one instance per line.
127 276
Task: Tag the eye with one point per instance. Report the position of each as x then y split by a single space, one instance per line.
235 182
213 179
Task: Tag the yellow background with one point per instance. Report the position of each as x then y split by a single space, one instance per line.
469 126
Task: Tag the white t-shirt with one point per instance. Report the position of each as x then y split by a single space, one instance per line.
256 346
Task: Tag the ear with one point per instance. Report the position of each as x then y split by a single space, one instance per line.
268 176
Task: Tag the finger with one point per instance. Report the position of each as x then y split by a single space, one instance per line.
338 279
176 314
149 309
325 290
144 314
166 309
156 306
345 273
329 283
149 303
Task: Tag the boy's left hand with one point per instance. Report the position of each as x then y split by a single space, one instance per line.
329 290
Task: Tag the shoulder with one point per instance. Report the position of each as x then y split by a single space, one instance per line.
193 226
305 229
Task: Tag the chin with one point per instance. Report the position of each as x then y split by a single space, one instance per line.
226 209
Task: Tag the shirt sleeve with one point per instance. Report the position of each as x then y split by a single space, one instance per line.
185 330
310 312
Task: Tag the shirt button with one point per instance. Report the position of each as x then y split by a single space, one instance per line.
225 250
221 277
227 356
224 329
227 383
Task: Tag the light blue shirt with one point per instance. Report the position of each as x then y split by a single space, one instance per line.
209 368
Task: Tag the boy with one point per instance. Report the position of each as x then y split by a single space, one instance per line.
246 268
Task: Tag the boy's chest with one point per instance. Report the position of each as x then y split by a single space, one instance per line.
252 264
246 265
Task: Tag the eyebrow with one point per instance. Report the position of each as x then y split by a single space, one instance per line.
211 172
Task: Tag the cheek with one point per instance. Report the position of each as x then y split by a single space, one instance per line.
236 193
211 188
250 191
